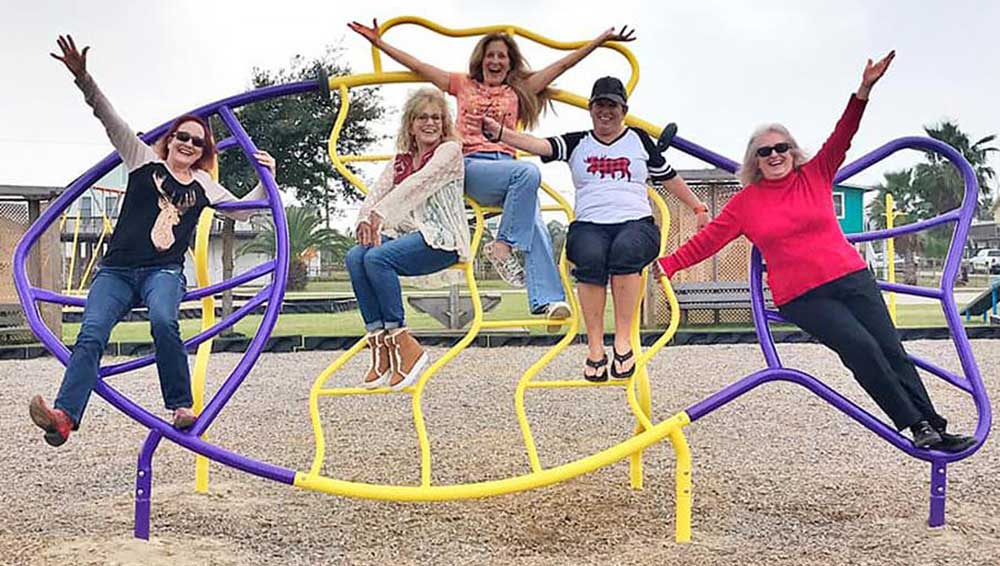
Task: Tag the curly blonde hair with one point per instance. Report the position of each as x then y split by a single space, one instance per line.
405 142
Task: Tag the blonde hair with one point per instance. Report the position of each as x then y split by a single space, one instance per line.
405 143
529 104
750 173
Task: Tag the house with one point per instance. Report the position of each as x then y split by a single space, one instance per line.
849 205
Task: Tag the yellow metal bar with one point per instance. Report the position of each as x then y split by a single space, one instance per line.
523 322
682 526
571 331
890 252
496 487
560 384
72 256
105 230
372 158
200 374
509 30
317 385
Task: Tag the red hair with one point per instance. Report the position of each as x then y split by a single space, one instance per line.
207 158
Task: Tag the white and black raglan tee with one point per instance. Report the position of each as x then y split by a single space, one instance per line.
610 179
149 179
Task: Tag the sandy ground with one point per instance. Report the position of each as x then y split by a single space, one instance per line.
779 477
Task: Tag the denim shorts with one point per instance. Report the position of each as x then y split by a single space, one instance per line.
599 251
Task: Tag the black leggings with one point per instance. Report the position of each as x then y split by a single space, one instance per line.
849 316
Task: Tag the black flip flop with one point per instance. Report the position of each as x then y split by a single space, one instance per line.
620 358
600 376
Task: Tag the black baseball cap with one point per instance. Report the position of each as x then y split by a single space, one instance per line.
609 88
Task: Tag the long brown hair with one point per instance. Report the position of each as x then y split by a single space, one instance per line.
529 104
207 158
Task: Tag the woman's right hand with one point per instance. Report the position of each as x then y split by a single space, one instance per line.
74 60
363 234
369 33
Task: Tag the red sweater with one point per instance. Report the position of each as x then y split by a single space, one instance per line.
791 220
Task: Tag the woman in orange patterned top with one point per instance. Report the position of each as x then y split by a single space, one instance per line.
500 85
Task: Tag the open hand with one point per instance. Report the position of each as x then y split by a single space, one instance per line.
74 60
375 225
874 71
370 33
624 35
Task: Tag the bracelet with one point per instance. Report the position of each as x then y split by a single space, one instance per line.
499 135
700 208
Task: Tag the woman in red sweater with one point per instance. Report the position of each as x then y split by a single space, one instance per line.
818 280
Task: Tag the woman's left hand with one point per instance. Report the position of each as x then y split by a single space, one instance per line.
624 35
873 72
265 159
375 223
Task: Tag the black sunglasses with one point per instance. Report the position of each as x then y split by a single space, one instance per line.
778 147
183 137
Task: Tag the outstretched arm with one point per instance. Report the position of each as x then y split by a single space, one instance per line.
133 151
834 150
496 132
540 80
436 76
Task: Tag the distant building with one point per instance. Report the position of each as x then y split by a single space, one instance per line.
849 205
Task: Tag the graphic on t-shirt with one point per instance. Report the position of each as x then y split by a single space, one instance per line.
170 214
609 166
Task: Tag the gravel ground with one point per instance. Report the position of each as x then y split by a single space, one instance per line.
779 477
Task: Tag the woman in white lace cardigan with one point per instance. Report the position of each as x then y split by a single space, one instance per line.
412 223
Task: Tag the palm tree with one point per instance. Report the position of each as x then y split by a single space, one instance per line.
306 237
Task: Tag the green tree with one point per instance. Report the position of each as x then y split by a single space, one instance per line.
933 187
295 130
307 237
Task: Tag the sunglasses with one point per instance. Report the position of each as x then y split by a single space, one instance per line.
185 137
778 147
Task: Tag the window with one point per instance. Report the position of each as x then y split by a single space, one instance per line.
995 253
86 207
111 206
838 205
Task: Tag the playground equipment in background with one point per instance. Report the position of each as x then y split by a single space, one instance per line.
647 431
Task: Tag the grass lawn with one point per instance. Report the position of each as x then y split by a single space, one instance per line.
513 306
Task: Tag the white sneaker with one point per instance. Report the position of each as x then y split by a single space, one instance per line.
557 311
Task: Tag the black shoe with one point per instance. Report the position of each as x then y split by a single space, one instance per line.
953 442
602 370
924 435
621 359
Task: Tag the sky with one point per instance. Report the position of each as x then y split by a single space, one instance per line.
716 68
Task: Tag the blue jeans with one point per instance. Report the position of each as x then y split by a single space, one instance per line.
114 292
375 275
494 178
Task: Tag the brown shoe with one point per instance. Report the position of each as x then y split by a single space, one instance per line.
55 422
184 418
406 357
379 371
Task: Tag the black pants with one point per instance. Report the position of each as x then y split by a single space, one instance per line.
849 316
599 251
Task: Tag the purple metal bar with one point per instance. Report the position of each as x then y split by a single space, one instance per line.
190 441
775 316
911 290
270 318
758 306
705 155
46 296
957 381
144 485
255 273
242 205
898 231
939 492
197 339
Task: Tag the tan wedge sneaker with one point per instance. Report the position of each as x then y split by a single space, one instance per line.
407 358
379 371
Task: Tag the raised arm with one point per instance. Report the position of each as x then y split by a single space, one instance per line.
133 151
436 76
834 151
540 80
494 131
